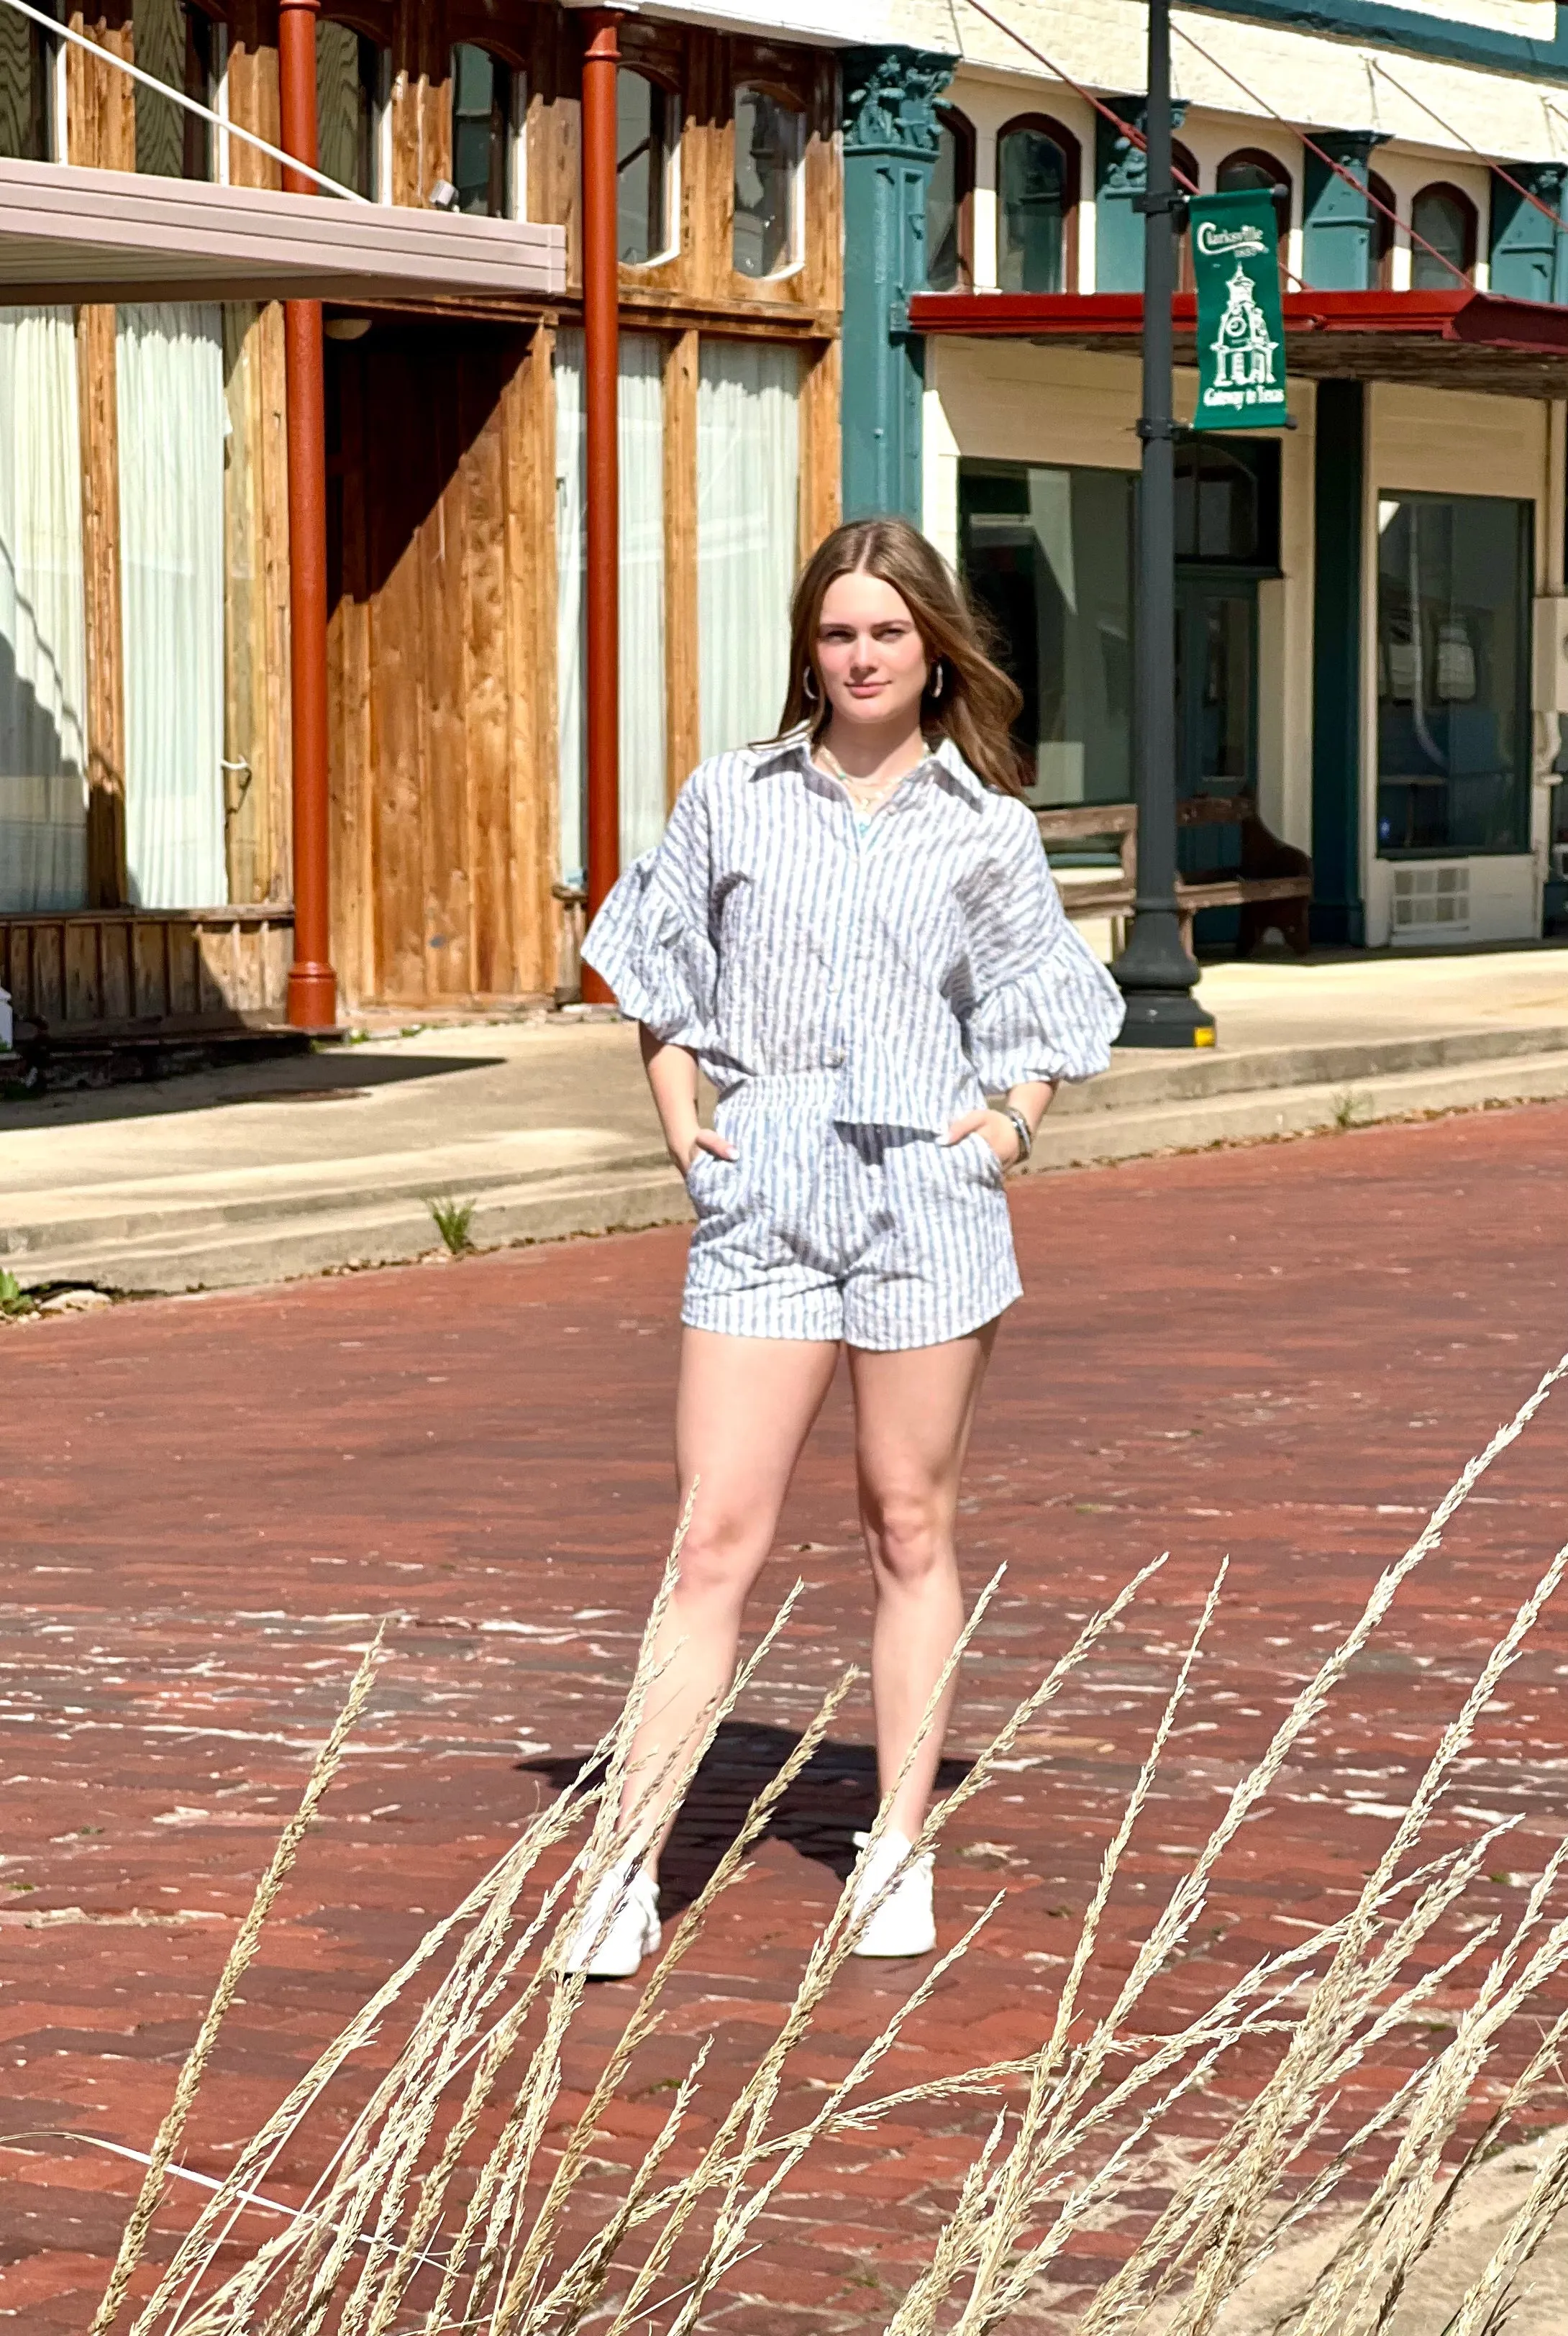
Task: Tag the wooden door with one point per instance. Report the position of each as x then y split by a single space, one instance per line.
441 512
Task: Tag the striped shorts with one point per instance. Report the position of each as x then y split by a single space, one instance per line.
878 1236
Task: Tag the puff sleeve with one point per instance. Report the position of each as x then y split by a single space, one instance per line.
653 940
1042 1006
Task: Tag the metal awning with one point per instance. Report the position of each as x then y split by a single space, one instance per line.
68 235
1451 340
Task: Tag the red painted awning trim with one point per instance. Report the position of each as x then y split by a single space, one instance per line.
1480 320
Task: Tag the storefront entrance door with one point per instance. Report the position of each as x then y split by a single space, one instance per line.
1216 694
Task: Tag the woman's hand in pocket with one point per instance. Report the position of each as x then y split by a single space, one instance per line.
997 1130
705 1139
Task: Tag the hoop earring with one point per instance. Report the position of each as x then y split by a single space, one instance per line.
935 683
809 689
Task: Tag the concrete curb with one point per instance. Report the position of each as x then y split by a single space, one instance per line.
248 1236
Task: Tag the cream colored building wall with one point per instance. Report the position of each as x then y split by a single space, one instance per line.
1302 77
1011 402
1448 443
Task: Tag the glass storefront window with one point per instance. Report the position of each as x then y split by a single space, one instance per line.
769 141
1453 673
1048 553
643 111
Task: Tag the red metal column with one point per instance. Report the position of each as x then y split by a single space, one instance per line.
602 366
312 984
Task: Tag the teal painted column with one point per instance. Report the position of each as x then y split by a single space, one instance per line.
1120 178
1336 218
1529 256
890 145
1338 912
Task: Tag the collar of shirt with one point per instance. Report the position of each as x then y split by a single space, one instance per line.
795 749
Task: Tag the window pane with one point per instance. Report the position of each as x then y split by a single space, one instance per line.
23 90
1442 222
747 493
1245 178
1032 171
480 90
944 216
1453 685
1049 553
642 167
767 150
347 107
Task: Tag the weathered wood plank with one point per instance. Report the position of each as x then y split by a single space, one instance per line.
100 599
486 680
821 470
528 416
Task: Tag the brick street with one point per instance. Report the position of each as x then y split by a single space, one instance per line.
1285 1352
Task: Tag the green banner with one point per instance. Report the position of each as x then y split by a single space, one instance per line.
1236 242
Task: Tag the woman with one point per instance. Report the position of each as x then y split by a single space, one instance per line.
853 932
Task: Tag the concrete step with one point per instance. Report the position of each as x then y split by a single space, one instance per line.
1135 1131
315 1221
381 1230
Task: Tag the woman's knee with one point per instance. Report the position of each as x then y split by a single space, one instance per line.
909 1532
718 1561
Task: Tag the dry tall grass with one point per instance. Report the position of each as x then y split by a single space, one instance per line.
451 2204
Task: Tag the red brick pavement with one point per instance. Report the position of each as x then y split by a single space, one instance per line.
1284 1352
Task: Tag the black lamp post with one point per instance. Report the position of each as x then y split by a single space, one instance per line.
1156 971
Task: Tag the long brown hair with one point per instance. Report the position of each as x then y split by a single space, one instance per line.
975 704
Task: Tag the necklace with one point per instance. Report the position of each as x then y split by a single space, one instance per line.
865 794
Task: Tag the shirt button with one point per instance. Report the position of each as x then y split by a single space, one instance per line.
835 1059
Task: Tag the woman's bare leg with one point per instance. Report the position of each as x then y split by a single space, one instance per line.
913 1411
744 1409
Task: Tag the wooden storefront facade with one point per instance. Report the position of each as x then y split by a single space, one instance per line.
452 883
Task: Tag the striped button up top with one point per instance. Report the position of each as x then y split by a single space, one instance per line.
922 955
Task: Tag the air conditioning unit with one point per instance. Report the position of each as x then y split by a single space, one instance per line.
1430 898
1548 693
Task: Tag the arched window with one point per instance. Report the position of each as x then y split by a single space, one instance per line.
178 44
1186 167
352 78
1253 168
769 145
1445 218
1380 263
1037 205
949 205
484 147
27 80
644 112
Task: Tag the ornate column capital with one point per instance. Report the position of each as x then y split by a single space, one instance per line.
890 101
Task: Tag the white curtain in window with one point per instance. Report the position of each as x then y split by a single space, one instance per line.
747 493
43 643
169 376
640 444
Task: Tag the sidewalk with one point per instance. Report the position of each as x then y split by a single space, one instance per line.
228 1178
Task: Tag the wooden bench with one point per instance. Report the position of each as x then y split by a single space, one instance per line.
1272 886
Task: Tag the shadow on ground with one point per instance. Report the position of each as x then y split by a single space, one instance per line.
833 1798
338 1076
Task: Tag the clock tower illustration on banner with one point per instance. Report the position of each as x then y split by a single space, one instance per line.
1242 346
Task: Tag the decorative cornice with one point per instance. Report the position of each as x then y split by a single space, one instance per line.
890 101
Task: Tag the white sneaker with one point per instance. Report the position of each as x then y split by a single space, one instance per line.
905 1923
609 1944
